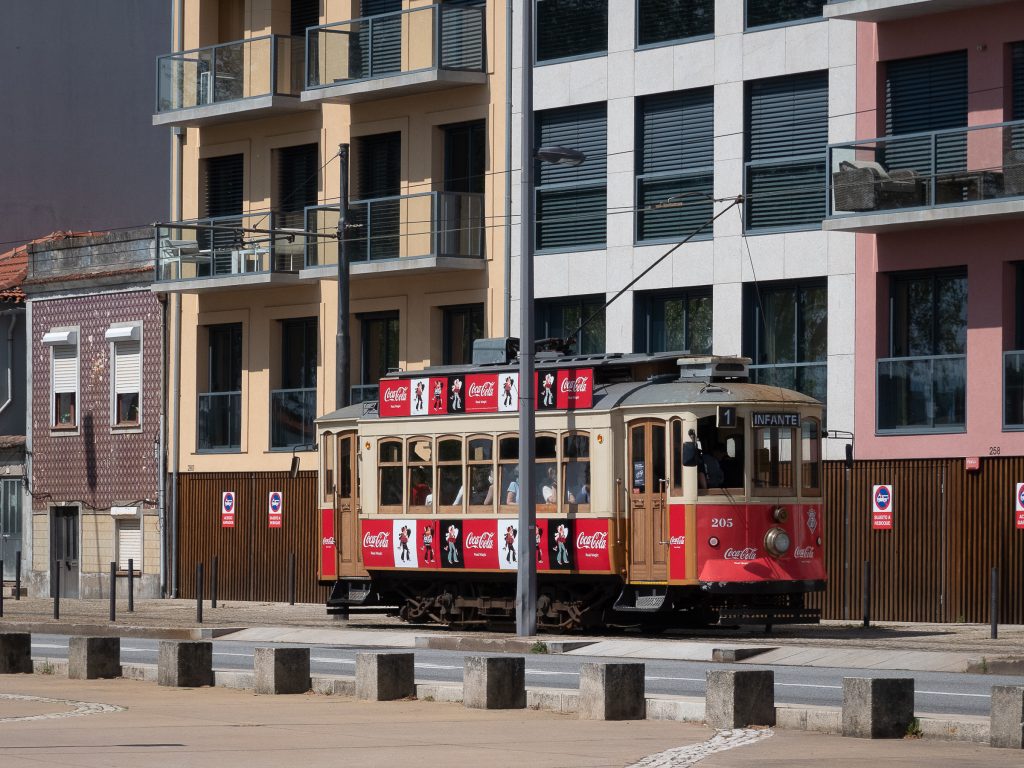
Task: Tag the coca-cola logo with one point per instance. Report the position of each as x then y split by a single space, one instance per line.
804 553
376 540
749 553
596 540
579 384
481 390
483 540
396 395
676 541
328 541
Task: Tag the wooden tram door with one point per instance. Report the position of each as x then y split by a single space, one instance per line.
346 506
648 513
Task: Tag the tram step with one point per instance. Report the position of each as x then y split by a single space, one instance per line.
630 600
350 593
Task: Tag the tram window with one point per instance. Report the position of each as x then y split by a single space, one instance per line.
810 456
449 472
720 463
576 468
773 458
421 490
345 469
658 465
508 471
546 446
481 449
390 453
676 454
546 473
327 447
638 460
481 473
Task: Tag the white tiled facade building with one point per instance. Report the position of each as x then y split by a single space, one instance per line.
735 65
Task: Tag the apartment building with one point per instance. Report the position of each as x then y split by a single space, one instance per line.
259 95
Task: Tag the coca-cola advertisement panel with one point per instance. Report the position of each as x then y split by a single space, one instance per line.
438 396
451 543
403 537
545 390
420 389
394 396
378 537
560 544
328 545
508 386
456 394
592 544
508 541
481 393
540 541
676 542
429 543
575 389
480 544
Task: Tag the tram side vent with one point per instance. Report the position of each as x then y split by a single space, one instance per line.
710 369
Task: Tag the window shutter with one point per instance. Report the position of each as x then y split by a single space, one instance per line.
127 367
129 544
1017 76
65 368
583 128
224 180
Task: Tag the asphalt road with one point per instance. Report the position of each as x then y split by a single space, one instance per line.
935 692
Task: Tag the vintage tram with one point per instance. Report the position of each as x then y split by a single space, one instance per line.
670 491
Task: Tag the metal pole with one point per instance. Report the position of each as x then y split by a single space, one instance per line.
526 581
291 579
113 591
994 604
131 585
1 588
213 583
17 575
199 593
867 594
56 589
342 347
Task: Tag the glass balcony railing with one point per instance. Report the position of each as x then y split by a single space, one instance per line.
809 378
219 418
922 170
1013 389
260 66
292 415
432 37
440 224
922 394
222 246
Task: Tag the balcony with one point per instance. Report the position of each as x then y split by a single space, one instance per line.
218 253
892 10
292 417
922 394
219 422
258 77
925 179
409 51
426 233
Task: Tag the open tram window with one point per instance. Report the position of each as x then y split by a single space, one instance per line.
810 457
327 449
389 461
451 487
420 469
345 466
576 469
508 467
480 457
720 462
546 472
773 458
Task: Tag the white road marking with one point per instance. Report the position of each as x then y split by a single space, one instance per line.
80 708
684 757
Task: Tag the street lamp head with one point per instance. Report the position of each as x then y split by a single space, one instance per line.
559 156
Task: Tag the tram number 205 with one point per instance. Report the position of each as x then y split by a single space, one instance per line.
721 522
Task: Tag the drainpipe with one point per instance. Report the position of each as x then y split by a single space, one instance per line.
508 169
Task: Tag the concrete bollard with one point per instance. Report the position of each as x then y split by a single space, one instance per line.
385 676
877 707
91 658
736 699
612 692
1007 724
494 682
281 670
185 663
15 653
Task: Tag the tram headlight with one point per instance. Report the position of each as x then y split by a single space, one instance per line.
777 542
780 515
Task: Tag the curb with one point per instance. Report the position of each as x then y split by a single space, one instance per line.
121 630
525 646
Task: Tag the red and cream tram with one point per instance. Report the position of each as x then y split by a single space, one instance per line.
670 490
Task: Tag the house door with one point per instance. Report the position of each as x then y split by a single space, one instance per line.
350 554
64 549
10 525
648 537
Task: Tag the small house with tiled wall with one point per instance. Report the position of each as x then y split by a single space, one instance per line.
95 335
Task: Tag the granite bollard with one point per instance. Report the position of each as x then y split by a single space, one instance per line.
738 698
281 670
877 707
612 692
185 663
494 682
15 653
93 658
1006 727
385 676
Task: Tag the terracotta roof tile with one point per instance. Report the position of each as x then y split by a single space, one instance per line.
14 265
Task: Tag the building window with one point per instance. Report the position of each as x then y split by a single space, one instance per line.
220 407
673 321
665 21
296 181
378 352
675 159
293 406
129 544
569 28
1013 361
461 327
63 343
787 335
761 13
224 179
126 358
787 133
557 318
375 213
922 384
572 201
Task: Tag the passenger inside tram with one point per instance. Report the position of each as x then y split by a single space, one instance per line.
720 458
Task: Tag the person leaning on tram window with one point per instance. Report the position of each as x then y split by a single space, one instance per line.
420 494
512 492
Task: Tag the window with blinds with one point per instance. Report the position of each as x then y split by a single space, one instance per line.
569 28
127 382
762 13
787 135
675 158
571 202
129 544
65 385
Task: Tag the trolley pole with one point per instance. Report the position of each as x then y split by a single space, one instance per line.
343 384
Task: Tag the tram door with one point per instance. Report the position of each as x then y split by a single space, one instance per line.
648 514
346 507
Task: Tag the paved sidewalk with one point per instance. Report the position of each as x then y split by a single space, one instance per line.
125 722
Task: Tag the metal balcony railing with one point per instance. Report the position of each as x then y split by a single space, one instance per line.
432 37
440 224
922 394
260 66
922 170
292 415
220 246
219 421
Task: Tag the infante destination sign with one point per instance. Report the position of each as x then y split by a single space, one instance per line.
775 419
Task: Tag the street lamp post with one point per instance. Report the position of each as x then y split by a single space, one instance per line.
342 342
